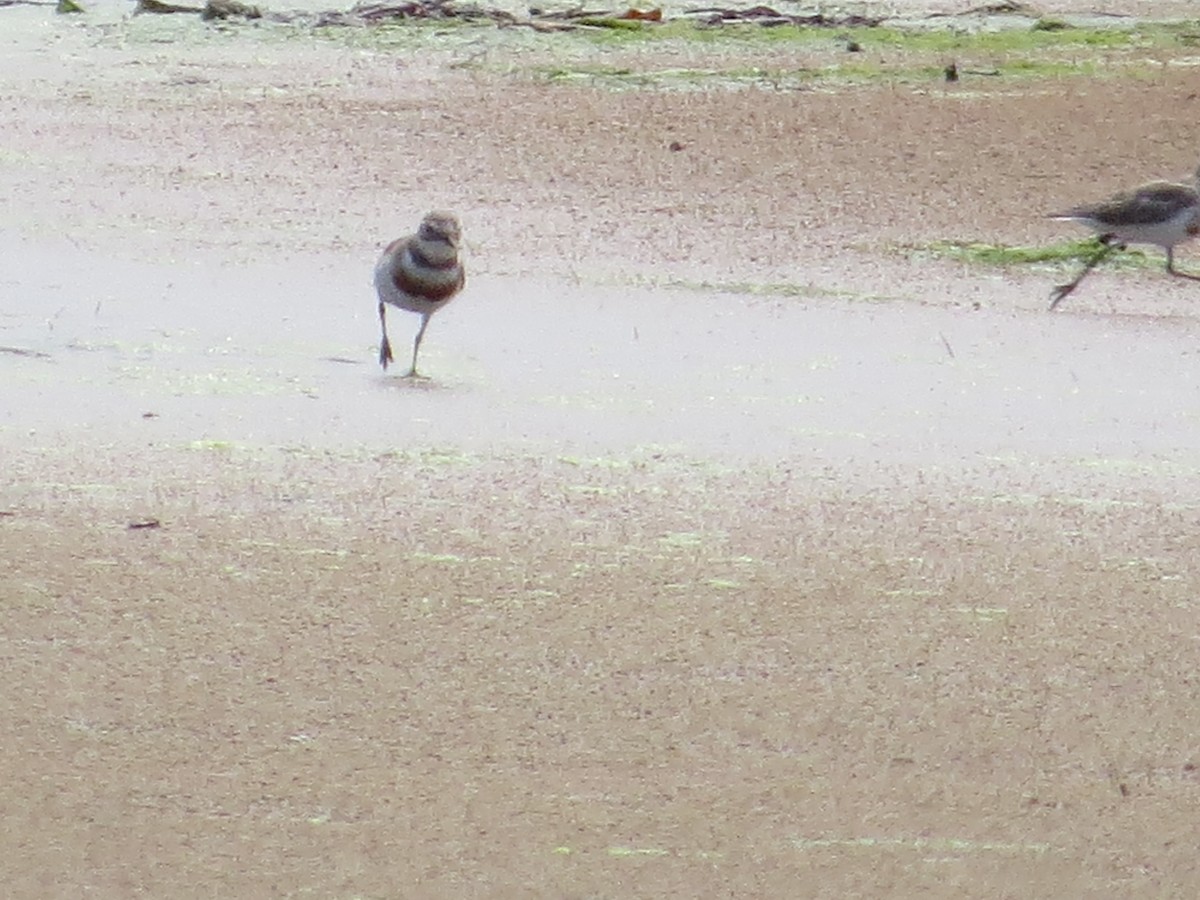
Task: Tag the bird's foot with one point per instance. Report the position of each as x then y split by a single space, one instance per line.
1061 293
415 375
385 354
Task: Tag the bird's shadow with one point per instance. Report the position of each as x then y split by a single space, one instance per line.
421 383
393 380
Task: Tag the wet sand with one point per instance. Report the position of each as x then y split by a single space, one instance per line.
668 582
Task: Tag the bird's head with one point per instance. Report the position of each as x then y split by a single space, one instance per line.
440 228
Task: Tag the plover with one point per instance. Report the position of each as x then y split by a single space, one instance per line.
1161 212
420 273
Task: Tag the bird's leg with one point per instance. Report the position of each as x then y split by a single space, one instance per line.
1172 270
412 372
1108 244
385 346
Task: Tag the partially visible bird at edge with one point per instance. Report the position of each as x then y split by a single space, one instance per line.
1163 213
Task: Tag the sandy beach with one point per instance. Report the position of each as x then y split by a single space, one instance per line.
735 546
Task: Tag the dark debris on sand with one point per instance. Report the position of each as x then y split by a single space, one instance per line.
376 13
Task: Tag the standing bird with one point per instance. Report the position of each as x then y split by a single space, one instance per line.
1161 212
420 273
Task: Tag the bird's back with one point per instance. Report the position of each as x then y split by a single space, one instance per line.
1156 203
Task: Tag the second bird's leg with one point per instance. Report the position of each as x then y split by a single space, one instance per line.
1172 270
1108 243
385 346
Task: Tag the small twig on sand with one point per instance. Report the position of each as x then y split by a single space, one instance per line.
946 344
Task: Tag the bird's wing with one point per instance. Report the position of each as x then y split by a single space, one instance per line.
1150 204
